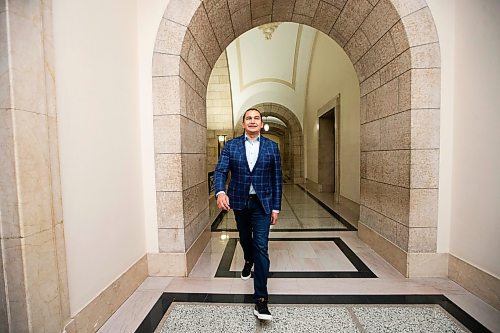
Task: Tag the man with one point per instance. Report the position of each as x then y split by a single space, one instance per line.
254 194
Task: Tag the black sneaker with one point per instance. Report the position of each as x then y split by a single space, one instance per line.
261 310
247 271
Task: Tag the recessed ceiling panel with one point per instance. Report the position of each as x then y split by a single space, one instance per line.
269 60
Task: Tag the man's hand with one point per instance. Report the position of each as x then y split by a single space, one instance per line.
223 201
274 218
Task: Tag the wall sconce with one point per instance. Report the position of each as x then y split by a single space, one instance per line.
221 140
266 125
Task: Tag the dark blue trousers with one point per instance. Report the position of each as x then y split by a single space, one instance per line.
253 225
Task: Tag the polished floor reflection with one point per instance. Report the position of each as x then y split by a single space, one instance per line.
300 211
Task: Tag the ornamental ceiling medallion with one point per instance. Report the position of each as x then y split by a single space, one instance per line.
268 29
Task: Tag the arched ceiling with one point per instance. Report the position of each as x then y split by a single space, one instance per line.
271 70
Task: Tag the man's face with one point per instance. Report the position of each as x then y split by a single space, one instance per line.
252 123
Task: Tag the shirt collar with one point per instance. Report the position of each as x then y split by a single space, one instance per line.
247 138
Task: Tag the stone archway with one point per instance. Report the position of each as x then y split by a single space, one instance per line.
394 47
296 137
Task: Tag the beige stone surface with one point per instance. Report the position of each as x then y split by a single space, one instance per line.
195 228
376 57
424 171
380 20
383 101
399 37
193 136
195 107
477 281
370 135
425 88
62 270
55 178
171 240
405 7
181 11
168 172
396 67
282 10
404 91
261 8
422 240
196 249
98 311
379 223
220 19
42 280
337 37
242 20
9 206
428 265
370 84
194 169
170 208
426 56
167 134
388 200
14 269
306 7
390 252
195 200
423 208
402 236
425 128
351 17
236 5
167 264
27 73
165 64
261 20
203 33
197 61
169 95
357 46
396 131
390 167
325 17
33 172
170 37
420 28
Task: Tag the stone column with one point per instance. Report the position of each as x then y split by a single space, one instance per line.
34 291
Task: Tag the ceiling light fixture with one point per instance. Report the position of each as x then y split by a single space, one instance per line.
268 29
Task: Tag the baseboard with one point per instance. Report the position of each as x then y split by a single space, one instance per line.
480 283
389 251
100 309
427 265
178 264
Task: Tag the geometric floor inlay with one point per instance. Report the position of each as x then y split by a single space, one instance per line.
326 257
213 313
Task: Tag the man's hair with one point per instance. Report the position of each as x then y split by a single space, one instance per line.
251 109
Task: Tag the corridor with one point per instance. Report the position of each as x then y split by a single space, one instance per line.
320 281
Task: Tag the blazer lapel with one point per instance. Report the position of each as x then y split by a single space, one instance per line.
242 150
262 146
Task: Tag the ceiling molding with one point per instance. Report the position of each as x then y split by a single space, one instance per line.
289 84
306 97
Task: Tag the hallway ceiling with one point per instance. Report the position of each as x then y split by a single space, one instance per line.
271 70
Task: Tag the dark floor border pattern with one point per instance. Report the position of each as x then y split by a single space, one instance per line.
362 270
349 226
155 315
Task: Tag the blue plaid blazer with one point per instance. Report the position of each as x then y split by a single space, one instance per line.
265 177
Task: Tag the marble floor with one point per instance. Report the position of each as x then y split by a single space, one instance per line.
301 209
306 267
